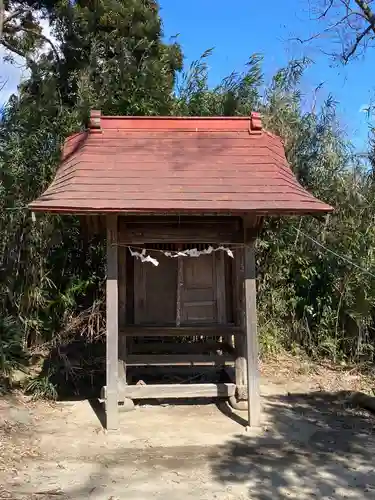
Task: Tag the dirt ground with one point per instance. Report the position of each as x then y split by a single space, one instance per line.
312 444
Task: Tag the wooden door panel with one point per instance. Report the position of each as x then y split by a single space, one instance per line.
198 272
194 286
155 290
198 293
203 312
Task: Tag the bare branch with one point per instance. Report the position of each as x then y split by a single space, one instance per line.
349 22
355 45
329 29
325 12
3 84
316 90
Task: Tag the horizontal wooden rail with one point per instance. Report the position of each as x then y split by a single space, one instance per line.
181 331
179 360
171 391
155 347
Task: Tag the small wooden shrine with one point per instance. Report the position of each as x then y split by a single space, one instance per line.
183 200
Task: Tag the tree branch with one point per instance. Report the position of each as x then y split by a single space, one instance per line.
355 45
323 14
353 22
15 50
329 28
2 11
369 14
36 33
14 15
43 37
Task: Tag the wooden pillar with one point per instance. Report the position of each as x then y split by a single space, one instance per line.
253 390
122 340
180 284
219 266
112 325
240 340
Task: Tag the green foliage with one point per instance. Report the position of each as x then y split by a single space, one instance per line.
307 296
12 356
112 57
20 30
236 94
42 388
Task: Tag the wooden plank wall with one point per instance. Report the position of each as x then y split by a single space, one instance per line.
180 230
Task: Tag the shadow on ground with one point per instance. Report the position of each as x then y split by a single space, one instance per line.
315 446
312 446
75 370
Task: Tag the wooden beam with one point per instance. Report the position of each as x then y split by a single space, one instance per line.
182 331
181 347
252 224
112 325
228 231
254 409
167 218
173 391
180 360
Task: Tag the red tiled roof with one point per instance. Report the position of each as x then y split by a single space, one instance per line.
166 164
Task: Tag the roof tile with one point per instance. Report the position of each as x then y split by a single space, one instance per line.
143 164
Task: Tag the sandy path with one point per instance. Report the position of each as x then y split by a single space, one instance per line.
310 446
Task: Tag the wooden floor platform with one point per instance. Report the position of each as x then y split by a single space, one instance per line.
172 391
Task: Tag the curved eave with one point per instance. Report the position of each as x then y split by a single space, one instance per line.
45 206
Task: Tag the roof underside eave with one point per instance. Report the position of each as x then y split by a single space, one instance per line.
320 209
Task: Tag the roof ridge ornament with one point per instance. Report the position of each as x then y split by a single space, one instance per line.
95 116
255 122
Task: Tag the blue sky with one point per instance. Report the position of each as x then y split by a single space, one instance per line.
238 28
